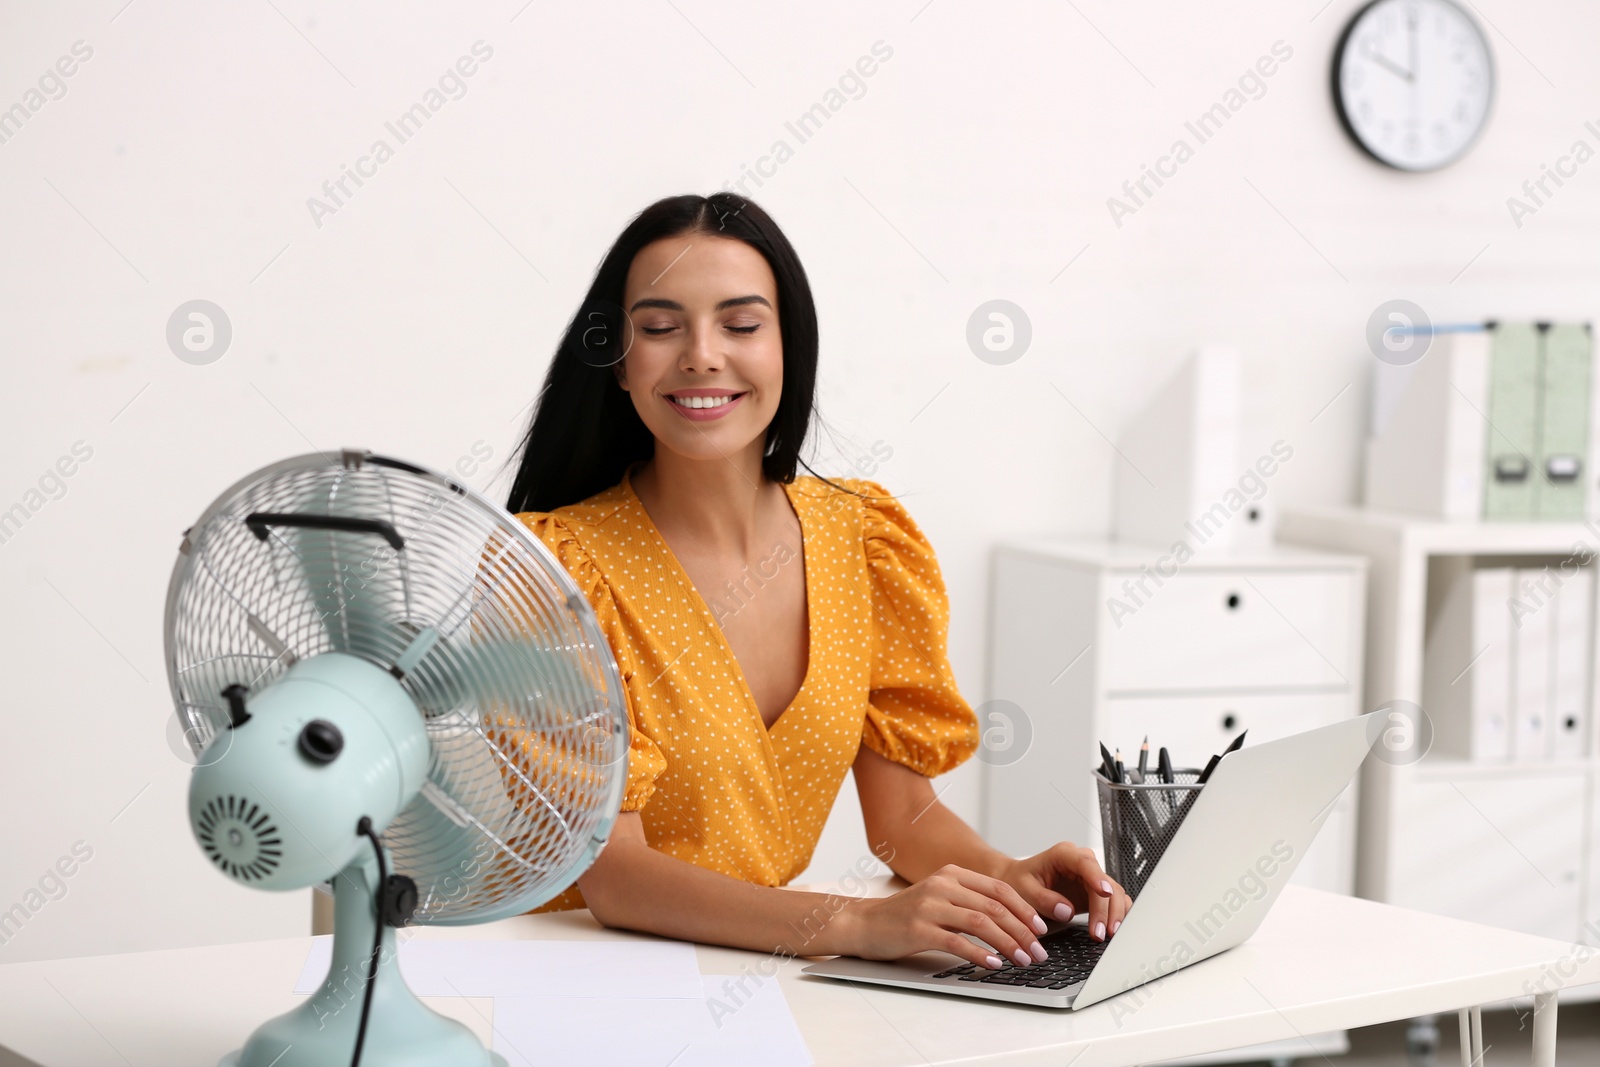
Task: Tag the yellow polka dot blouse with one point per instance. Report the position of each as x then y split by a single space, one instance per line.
712 784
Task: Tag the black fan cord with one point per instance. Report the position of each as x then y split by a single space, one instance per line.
364 828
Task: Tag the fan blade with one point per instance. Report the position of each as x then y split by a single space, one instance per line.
446 675
355 577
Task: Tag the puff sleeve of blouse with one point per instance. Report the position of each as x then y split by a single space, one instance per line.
915 714
645 759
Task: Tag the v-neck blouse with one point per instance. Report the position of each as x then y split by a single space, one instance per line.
713 785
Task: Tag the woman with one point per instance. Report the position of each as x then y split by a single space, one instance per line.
772 631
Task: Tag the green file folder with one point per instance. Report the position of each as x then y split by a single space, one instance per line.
1511 449
1561 482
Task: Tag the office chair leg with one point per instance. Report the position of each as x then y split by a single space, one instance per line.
1422 1041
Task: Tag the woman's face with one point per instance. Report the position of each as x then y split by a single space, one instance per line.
705 366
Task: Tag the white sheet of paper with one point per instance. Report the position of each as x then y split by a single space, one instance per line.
632 969
729 1027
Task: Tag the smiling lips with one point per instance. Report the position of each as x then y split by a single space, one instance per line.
702 405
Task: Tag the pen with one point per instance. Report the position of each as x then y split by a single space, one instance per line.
1164 766
1211 765
1146 801
1140 805
1106 765
1126 808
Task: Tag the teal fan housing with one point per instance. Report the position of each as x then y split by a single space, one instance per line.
392 686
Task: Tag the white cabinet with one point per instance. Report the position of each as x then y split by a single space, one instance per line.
1234 629
1513 843
1589 932
1095 641
1099 642
1492 847
1203 723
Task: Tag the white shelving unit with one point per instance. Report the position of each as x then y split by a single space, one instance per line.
1267 640
1512 843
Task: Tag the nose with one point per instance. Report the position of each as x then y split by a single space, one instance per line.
703 351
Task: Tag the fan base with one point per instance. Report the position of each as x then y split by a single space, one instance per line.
232 1059
401 1032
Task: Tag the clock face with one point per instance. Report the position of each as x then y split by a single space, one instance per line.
1413 80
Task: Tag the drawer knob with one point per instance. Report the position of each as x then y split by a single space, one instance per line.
1232 601
1229 721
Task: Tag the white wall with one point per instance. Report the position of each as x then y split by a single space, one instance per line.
418 319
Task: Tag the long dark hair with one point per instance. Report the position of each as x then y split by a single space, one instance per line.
584 432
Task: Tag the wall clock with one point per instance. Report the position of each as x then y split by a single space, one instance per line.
1413 80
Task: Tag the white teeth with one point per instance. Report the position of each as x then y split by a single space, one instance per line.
703 401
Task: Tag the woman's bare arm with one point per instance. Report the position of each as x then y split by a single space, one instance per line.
907 823
635 887
632 886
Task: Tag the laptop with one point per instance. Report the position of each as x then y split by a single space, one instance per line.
1234 852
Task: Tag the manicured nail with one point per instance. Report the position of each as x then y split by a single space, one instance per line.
1115 925
1021 957
1105 887
1100 930
1038 925
994 961
1039 954
1064 912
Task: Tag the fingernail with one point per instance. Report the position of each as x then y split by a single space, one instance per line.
1100 930
1064 912
1039 954
1115 925
1021 957
1105 887
994 961
1038 925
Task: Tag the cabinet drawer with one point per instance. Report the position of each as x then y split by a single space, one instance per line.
1507 851
1195 727
1253 630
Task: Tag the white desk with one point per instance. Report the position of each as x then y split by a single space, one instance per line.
1320 962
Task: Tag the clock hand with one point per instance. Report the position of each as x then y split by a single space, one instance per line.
1411 34
1388 64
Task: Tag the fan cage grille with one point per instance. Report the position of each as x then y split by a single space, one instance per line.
520 695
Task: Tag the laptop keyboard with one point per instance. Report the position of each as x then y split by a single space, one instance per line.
1072 955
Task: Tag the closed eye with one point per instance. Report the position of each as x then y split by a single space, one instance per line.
657 331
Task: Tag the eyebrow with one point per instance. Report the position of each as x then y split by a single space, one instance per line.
673 305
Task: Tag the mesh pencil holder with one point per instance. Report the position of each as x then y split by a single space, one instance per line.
1138 821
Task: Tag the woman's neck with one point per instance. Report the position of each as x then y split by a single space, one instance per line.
720 503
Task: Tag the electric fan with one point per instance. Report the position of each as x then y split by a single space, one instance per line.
392 685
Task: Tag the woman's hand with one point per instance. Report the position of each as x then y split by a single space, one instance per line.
1065 879
935 912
